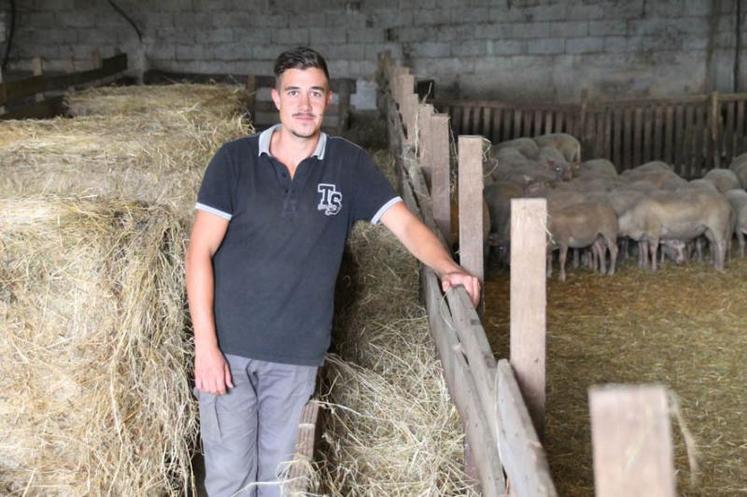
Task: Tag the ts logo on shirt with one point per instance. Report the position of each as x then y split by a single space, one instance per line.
331 201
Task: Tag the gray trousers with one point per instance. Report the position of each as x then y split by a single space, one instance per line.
251 430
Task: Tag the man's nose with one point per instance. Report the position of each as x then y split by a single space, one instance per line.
305 101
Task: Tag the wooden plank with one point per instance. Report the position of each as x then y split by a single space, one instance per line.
713 140
344 107
456 120
628 139
728 142
559 117
487 123
647 153
476 348
687 145
632 442
548 122
740 139
441 176
679 141
423 142
109 67
47 108
528 124
507 128
607 147
38 71
476 123
658 150
520 450
538 122
637 136
466 120
19 89
497 128
669 135
471 242
300 471
617 155
464 392
528 302
700 143
518 115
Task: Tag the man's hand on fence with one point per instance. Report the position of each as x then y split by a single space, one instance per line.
470 283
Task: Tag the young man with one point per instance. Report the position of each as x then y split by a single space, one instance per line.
273 214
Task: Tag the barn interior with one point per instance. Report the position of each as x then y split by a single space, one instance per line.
111 110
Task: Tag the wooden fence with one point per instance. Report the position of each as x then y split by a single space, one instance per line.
694 133
40 95
501 403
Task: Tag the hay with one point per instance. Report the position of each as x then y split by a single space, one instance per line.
157 159
215 101
391 429
94 390
682 326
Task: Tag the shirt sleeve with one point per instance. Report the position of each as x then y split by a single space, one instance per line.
373 192
216 194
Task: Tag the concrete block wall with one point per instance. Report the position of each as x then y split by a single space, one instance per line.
518 49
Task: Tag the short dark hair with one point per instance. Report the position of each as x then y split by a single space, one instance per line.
299 58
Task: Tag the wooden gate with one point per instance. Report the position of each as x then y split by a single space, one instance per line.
694 133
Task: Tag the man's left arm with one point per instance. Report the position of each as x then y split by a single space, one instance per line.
423 244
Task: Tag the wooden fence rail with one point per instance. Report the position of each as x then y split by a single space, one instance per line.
500 434
694 133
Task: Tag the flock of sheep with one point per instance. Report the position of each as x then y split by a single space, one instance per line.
591 206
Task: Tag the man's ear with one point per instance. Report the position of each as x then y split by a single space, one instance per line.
276 98
329 97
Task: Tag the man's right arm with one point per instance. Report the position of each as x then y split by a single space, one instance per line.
212 373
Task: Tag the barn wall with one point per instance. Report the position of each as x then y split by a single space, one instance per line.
521 49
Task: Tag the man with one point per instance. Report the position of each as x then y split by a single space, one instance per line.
273 213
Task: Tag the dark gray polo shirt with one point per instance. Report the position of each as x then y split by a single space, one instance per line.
275 271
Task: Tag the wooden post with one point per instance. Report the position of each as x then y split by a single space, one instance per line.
344 105
470 205
38 70
528 303
632 441
425 111
96 58
440 153
715 119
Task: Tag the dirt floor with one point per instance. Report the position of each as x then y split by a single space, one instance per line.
684 327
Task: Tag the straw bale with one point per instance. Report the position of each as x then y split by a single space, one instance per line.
214 100
94 359
159 158
391 428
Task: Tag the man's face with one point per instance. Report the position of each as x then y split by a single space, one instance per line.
301 97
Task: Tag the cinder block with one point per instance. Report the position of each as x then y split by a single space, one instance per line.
546 46
195 52
431 16
586 12
90 37
226 19
698 7
156 20
584 45
530 30
492 31
608 28
469 48
474 14
507 47
215 35
407 34
366 35
308 20
78 20
615 44
56 36
448 66
252 35
342 51
431 49
335 19
161 51
268 51
547 11
175 34
660 43
569 29
233 51
390 17
361 68
299 36
692 43
327 35
371 51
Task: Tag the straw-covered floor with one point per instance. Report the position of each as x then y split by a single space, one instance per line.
684 327
94 393
213 100
390 428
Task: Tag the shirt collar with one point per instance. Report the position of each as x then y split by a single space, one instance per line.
266 136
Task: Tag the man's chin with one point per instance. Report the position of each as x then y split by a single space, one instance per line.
304 133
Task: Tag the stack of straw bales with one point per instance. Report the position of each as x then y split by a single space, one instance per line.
95 356
392 429
95 395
